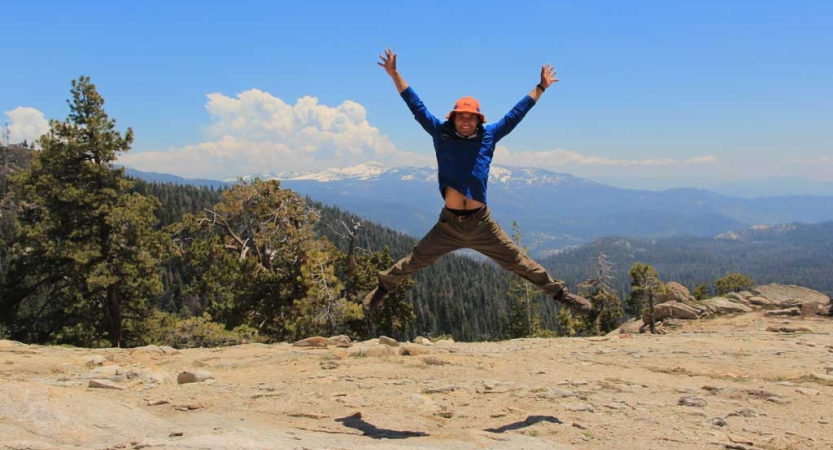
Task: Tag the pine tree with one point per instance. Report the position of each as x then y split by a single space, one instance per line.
645 287
642 275
701 291
522 318
86 256
733 282
607 307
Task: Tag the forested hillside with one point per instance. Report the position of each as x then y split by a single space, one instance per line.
800 254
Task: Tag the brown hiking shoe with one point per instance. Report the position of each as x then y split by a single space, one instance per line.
577 304
373 300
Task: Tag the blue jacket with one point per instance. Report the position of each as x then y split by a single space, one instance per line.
463 163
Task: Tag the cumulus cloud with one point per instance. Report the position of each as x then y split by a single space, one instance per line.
26 124
552 159
256 132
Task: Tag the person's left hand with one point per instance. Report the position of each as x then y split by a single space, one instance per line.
548 75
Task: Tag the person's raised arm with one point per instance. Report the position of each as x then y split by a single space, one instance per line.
547 79
389 64
508 123
429 123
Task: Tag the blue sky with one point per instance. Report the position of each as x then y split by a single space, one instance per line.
653 94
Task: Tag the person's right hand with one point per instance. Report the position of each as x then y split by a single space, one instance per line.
388 62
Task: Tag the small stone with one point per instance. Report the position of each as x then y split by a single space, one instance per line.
434 361
445 414
176 434
777 400
580 407
311 342
579 426
378 350
329 365
308 415
718 422
93 361
158 402
384 340
422 340
105 384
806 391
697 402
194 377
746 412
189 407
822 379
148 349
413 350
114 373
439 390
553 393
790 330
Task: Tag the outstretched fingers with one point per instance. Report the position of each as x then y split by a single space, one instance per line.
388 60
548 75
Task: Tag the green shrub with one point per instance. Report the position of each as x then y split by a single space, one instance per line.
168 329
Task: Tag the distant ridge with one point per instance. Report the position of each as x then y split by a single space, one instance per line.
554 210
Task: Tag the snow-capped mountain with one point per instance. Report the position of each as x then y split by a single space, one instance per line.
375 171
553 210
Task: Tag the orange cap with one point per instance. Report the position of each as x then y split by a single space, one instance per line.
469 105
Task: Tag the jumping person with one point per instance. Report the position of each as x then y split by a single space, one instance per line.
464 146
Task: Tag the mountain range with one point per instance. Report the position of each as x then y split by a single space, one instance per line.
554 210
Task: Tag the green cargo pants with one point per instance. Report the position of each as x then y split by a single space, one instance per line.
478 232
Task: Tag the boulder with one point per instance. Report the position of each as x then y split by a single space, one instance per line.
675 292
672 309
737 298
630 327
340 341
762 302
808 300
722 305
784 312
384 340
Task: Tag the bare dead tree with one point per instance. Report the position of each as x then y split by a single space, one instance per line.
350 235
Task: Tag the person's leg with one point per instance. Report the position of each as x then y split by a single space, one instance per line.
440 240
491 240
443 238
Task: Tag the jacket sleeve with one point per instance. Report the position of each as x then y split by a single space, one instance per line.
430 123
508 123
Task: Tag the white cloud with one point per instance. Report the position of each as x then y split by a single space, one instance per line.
26 124
552 159
259 133
708 159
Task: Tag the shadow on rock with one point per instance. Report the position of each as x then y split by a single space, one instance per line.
355 421
531 420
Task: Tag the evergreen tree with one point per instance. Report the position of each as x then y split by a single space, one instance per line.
733 282
642 276
522 318
566 323
701 291
645 287
85 258
607 307
244 257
